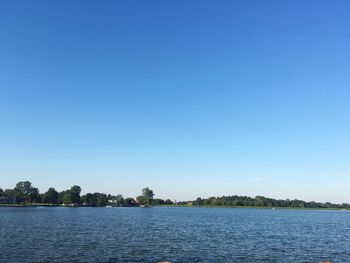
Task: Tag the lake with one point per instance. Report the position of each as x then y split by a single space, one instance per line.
177 234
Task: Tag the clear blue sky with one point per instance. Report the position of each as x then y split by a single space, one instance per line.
190 98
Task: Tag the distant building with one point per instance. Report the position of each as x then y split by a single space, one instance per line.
7 200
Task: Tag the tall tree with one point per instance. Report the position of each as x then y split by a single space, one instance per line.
119 199
148 195
101 199
51 196
25 192
34 196
74 194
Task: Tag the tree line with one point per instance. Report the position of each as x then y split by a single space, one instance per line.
24 193
261 201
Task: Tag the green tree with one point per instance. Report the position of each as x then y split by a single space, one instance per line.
25 192
74 194
88 199
148 195
141 199
95 199
51 196
22 190
64 197
168 202
129 201
10 193
198 201
34 196
101 199
119 199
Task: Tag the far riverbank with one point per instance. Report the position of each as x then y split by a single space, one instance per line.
174 206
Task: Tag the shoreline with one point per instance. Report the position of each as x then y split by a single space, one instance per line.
175 206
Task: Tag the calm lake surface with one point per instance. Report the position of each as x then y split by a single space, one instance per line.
175 234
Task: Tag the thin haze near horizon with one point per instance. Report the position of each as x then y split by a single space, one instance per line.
190 98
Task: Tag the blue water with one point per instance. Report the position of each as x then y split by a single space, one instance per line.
175 234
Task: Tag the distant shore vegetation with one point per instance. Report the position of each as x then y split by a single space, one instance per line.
24 194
